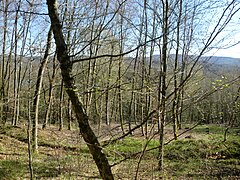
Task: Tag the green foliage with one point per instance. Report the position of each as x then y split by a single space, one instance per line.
12 169
46 169
125 146
185 150
14 131
203 159
130 146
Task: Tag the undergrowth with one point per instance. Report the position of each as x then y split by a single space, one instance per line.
203 156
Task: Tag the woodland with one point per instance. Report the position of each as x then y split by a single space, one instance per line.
119 89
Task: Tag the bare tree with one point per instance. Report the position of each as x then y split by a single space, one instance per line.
66 69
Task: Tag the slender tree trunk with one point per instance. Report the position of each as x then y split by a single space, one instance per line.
8 73
175 110
91 77
21 76
69 112
50 93
114 108
30 159
162 110
120 110
66 69
140 99
60 115
15 111
38 91
107 109
152 48
133 104
144 95
2 90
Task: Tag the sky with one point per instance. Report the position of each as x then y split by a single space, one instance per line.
226 49
231 36
218 51
230 52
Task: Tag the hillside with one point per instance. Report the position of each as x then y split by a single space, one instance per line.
63 155
211 60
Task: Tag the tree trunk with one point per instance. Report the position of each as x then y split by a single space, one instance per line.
107 109
15 117
120 106
69 114
50 93
38 91
60 115
30 159
175 105
162 110
66 70
2 90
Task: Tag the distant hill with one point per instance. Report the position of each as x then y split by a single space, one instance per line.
229 61
206 59
212 62
212 65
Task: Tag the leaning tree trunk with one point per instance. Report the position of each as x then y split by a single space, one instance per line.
38 92
66 70
50 94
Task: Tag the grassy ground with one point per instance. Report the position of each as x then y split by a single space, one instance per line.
198 154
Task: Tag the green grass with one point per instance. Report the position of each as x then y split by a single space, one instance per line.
129 146
46 169
12 169
197 158
204 157
186 149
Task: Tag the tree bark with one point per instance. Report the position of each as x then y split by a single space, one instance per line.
50 94
162 111
38 91
60 115
2 90
66 70
15 117
30 158
175 110
69 113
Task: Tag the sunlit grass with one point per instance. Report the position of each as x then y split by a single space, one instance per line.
206 156
12 169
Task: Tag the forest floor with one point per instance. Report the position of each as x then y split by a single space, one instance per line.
199 153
